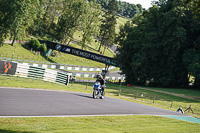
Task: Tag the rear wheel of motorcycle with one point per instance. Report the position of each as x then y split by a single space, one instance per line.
103 94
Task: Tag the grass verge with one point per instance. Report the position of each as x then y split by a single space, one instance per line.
107 124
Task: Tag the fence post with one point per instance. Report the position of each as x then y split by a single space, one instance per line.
171 104
154 99
72 83
86 85
136 95
120 89
12 56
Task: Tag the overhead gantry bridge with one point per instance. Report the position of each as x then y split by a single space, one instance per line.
79 52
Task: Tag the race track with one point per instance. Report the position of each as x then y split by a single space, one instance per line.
35 102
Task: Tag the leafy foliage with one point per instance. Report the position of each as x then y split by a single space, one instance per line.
57 19
195 5
123 8
70 19
35 44
163 48
43 47
107 30
15 16
91 25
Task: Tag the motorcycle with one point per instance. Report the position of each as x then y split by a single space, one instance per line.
98 91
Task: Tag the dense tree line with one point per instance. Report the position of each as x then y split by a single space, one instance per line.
164 48
57 19
123 8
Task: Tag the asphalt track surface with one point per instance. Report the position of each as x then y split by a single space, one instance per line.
16 102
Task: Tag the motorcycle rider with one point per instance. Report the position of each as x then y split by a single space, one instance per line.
180 110
102 81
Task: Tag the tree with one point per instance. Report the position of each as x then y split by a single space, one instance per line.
123 8
107 30
47 16
70 19
15 16
195 5
153 51
90 25
52 11
1 26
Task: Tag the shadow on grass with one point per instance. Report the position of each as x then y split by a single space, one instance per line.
10 131
43 56
47 59
89 48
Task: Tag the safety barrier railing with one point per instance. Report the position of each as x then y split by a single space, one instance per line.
56 65
26 71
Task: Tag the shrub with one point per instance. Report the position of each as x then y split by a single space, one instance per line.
29 44
43 47
36 45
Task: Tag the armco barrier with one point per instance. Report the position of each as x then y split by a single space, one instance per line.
55 65
36 72
77 74
65 67
26 71
93 75
60 78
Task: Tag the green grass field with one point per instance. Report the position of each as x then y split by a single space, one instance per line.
107 124
185 92
120 22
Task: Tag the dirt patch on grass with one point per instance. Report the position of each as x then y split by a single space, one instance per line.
174 94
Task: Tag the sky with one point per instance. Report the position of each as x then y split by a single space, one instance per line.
145 3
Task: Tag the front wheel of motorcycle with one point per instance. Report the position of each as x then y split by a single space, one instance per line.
94 94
